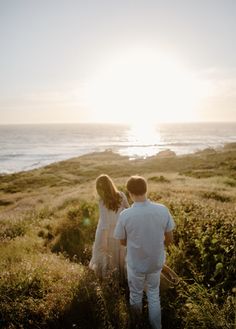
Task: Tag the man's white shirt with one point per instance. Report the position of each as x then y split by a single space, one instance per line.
144 225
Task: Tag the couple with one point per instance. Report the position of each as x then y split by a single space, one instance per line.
145 228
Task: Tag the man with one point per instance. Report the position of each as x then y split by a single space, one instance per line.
145 227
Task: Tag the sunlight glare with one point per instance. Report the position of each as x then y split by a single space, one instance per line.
144 133
142 85
144 139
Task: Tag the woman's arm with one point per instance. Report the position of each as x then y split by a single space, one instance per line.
125 203
102 227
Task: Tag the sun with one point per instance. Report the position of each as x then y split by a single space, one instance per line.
142 86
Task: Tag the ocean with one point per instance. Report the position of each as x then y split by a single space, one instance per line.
25 147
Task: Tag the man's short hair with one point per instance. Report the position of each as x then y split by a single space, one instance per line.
136 185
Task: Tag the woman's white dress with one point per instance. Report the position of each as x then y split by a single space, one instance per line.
108 254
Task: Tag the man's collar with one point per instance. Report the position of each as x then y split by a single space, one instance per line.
141 204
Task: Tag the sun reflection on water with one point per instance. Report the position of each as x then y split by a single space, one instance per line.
144 140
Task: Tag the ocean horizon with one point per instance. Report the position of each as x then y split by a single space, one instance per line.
28 146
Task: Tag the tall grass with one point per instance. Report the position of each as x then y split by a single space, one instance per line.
44 278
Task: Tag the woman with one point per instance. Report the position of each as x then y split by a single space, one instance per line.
108 254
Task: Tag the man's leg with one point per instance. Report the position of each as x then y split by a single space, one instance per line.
136 286
154 308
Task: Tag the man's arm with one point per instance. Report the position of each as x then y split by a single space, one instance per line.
168 238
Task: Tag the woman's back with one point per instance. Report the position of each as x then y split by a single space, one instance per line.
108 254
116 252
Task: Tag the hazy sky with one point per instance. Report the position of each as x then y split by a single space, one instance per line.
79 61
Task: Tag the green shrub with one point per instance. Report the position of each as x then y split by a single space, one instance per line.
216 196
199 308
75 233
205 243
230 182
159 179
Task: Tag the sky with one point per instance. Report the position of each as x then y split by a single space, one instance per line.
69 61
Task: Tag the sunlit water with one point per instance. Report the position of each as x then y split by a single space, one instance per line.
24 147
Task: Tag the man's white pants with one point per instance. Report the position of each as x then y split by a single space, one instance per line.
151 283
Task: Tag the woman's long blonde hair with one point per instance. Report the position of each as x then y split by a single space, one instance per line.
108 192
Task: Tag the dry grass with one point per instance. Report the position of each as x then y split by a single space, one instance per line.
48 219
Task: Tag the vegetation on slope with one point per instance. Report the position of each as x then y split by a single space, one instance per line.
48 220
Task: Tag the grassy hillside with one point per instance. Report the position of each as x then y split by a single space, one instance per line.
48 218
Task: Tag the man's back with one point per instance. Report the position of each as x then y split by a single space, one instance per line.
144 226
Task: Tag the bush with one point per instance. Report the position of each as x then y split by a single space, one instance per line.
75 233
203 255
36 290
159 179
204 242
199 308
11 228
216 196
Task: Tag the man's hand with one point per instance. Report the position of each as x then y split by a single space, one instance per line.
168 238
123 242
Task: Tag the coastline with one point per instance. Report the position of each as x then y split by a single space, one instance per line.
165 153
28 147
23 189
